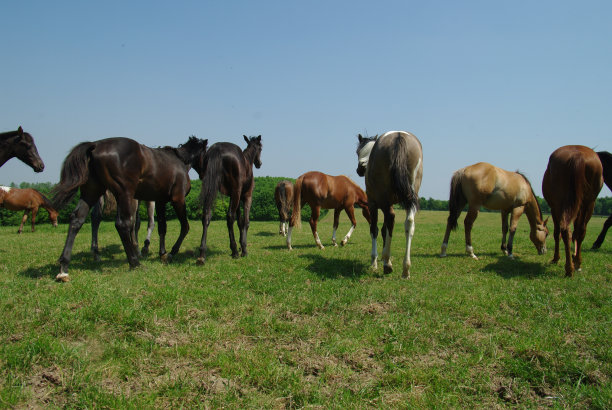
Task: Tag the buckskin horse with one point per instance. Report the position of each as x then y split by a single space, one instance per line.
27 200
130 171
20 144
606 162
320 190
283 198
393 168
571 183
229 170
485 185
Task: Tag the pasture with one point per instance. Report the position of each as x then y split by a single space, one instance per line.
306 328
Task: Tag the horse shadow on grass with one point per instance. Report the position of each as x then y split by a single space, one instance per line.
334 268
266 233
509 268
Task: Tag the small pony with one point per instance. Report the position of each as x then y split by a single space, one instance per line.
571 183
28 200
283 198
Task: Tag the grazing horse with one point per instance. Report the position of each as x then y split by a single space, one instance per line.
485 185
21 145
571 183
393 169
28 200
229 170
283 197
320 190
107 204
130 171
606 162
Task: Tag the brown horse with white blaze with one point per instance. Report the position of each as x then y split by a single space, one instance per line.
571 183
27 200
320 190
283 197
485 185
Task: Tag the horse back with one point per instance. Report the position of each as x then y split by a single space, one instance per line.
493 187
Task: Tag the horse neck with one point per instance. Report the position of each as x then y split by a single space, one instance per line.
6 147
249 153
532 210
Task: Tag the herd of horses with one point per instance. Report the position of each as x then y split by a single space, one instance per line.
128 172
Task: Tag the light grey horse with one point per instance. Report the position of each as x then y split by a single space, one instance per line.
393 168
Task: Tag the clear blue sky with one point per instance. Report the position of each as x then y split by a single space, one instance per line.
502 82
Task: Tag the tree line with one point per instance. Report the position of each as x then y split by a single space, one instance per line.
263 208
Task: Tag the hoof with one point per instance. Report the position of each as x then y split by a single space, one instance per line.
387 269
144 252
406 275
344 242
510 256
96 258
200 261
164 258
235 255
442 255
62 277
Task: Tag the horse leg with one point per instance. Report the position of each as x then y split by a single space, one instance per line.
150 227
516 214
23 221
96 218
445 240
373 234
33 219
245 221
468 222
206 217
409 226
350 211
556 236
77 218
336 222
160 210
126 208
387 233
566 235
602 235
504 218
314 217
181 213
137 228
231 217
580 225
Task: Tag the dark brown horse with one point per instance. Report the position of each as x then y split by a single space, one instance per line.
27 200
485 185
320 190
283 197
21 145
229 170
108 204
393 169
130 171
606 162
572 181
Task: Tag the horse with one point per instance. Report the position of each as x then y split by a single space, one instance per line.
130 171
20 144
283 197
485 185
28 200
393 168
571 183
229 170
320 190
107 204
606 162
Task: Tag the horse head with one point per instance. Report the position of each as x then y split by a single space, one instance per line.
193 152
364 148
538 236
253 148
53 214
25 150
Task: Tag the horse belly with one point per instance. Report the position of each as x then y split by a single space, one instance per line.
498 200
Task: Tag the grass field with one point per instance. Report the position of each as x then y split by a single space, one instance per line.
306 328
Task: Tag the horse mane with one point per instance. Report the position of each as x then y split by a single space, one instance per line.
532 192
6 135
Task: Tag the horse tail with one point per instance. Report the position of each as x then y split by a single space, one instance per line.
577 184
46 203
285 207
456 200
74 173
296 216
606 161
211 182
402 176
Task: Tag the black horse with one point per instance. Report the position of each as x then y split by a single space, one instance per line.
228 169
21 145
606 161
130 171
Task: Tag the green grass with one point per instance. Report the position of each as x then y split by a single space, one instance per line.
306 328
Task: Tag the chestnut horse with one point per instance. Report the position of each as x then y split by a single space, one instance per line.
28 200
606 162
21 145
107 204
130 171
485 185
229 170
571 183
320 190
393 169
283 197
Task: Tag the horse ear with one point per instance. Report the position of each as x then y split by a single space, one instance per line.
20 130
360 137
205 142
545 220
246 138
258 138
